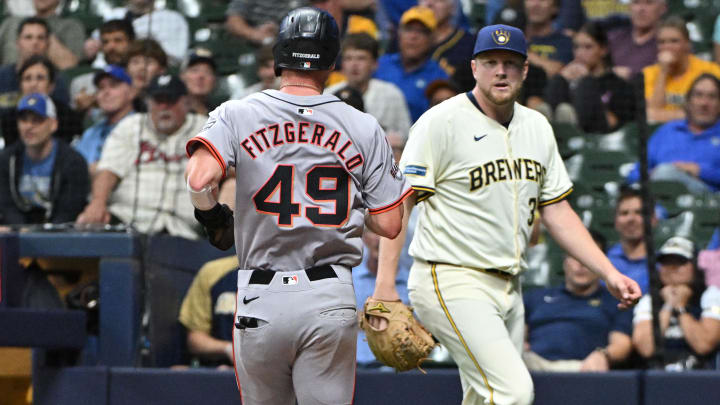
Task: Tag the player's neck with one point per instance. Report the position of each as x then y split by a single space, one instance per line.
301 84
499 113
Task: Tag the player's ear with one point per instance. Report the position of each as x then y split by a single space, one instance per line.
526 66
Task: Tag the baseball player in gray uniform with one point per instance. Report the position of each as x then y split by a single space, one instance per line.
311 170
483 166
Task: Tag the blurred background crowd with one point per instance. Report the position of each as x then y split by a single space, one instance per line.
98 97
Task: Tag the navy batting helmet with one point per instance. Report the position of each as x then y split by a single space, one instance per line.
308 40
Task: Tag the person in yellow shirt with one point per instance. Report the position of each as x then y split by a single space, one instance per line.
667 81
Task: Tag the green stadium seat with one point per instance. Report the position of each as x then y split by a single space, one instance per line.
671 194
564 133
602 171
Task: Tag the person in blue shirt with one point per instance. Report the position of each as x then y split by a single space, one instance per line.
42 179
114 98
629 255
412 69
577 326
688 150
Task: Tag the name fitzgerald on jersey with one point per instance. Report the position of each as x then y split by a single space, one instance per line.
504 169
275 135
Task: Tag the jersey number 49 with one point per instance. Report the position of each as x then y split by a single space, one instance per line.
322 184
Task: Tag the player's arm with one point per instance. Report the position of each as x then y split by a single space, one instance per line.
389 256
96 211
202 344
386 224
569 232
203 174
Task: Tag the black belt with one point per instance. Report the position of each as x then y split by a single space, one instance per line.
313 274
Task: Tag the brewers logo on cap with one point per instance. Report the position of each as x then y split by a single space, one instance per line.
501 37
32 101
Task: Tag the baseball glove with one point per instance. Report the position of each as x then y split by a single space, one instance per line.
219 225
404 344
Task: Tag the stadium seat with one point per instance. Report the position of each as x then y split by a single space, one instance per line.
672 195
602 171
564 133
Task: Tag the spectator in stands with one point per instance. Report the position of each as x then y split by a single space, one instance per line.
716 40
199 74
597 98
452 44
439 91
581 311
688 150
41 179
548 48
411 69
634 46
668 81
208 312
146 59
168 27
139 179
257 21
265 72
629 255
114 98
115 38
690 313
37 75
65 38
32 39
383 100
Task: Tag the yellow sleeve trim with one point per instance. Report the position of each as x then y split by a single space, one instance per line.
557 199
423 193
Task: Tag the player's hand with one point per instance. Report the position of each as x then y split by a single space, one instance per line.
625 289
94 213
595 361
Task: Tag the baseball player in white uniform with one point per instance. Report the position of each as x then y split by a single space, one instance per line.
481 166
308 168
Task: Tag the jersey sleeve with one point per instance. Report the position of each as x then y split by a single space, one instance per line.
384 186
218 136
710 303
556 184
419 160
120 150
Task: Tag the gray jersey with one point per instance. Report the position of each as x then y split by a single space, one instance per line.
307 168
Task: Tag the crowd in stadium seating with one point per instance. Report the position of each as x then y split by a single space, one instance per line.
123 93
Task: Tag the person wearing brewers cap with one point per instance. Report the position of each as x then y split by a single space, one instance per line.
42 179
114 98
690 313
485 170
139 179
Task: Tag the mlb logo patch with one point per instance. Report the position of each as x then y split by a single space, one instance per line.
290 280
305 111
306 65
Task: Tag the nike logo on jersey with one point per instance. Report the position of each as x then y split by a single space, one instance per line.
477 138
247 301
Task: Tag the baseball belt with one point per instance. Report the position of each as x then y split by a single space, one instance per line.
493 272
313 274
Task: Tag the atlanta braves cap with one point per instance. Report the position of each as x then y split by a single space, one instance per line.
114 71
38 103
499 36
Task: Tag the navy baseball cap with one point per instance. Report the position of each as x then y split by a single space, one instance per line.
502 37
165 85
200 55
114 71
38 103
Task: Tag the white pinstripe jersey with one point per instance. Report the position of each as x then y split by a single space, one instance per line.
480 183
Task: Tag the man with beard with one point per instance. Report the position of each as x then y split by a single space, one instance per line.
115 37
139 180
481 166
